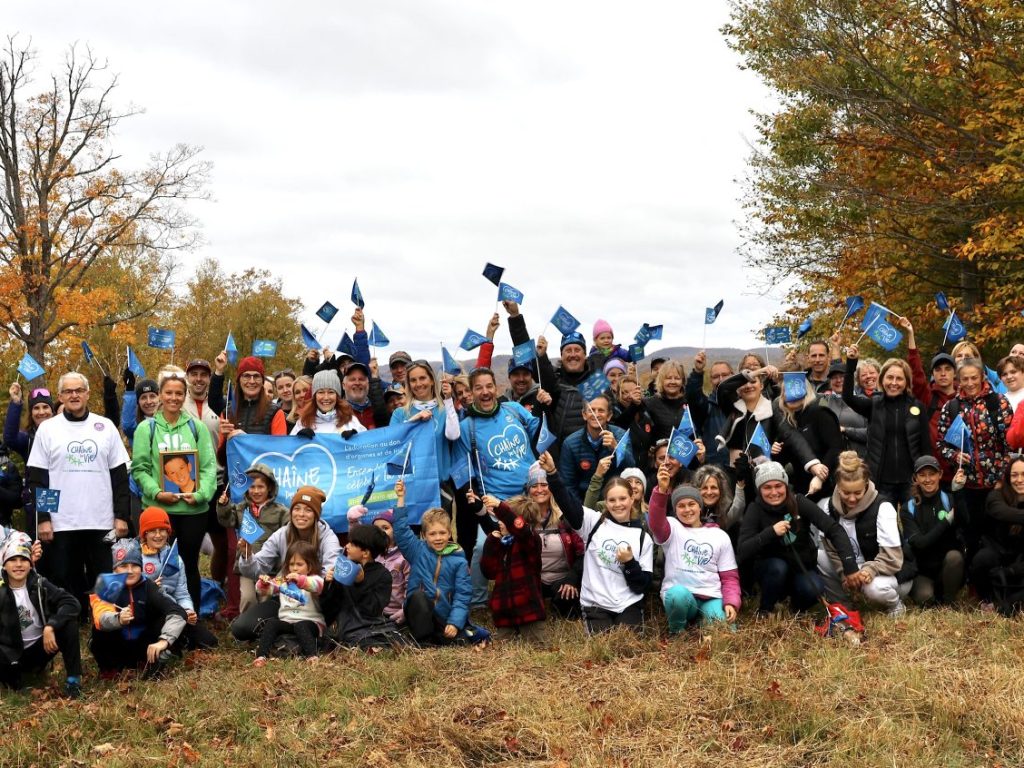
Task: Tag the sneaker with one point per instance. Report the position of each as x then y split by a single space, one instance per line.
897 610
261 661
73 689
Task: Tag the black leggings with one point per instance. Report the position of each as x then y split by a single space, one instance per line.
598 620
77 558
189 531
306 632
35 657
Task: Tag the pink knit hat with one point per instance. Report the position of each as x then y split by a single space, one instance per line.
602 326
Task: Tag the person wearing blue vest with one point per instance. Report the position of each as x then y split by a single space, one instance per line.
930 527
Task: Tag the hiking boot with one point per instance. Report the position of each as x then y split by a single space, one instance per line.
897 610
72 689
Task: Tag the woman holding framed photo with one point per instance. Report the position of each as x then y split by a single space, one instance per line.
174 464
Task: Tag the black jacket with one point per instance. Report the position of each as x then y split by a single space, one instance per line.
898 432
1003 525
55 606
665 414
758 540
567 406
820 428
929 537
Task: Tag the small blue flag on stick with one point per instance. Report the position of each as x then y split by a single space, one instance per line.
777 335
804 328
564 321
760 439
110 586
30 368
885 335
711 313
231 348
959 435
327 312
357 295
636 353
682 449
623 452
308 337
545 439
472 340
686 423
794 386
47 500
507 293
251 531
595 384
169 567
264 348
346 346
954 328
942 301
134 364
524 353
160 338
449 363
87 351
377 337
493 273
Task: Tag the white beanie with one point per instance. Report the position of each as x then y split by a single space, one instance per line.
634 472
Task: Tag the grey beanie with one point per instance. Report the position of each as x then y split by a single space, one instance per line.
685 492
326 380
770 470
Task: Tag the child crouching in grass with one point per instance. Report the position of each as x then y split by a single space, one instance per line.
136 626
37 619
512 559
299 613
439 589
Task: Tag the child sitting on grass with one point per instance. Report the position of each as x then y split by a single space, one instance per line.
37 619
439 591
162 564
512 558
392 559
136 626
299 613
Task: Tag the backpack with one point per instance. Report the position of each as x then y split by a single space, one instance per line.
912 504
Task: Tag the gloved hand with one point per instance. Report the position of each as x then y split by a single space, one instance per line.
307 433
348 433
129 380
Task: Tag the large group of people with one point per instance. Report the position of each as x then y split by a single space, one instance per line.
851 480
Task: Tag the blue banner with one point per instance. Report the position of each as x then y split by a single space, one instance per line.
30 368
160 338
343 469
264 348
564 321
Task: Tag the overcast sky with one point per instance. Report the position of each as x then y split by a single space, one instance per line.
591 148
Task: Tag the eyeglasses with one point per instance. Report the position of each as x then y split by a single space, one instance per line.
250 376
286 372
40 392
76 391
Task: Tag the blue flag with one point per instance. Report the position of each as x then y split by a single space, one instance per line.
959 435
997 384
377 337
682 449
804 328
449 363
885 335
654 331
251 531
524 353
794 385
777 335
346 346
643 335
169 567
711 313
595 384
636 353
942 301
955 330
87 351
47 500
623 452
160 338
327 312
873 315
264 348
493 273
507 293
462 473
29 368
345 571
564 321
686 423
294 592
134 364
545 439
308 337
110 586
357 295
472 340
854 304
231 348
760 439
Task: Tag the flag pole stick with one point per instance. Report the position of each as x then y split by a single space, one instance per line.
960 461
480 469
405 461
949 322
861 337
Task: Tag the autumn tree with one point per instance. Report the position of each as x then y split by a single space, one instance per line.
83 243
894 165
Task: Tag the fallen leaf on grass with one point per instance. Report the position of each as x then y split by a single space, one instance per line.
189 753
103 749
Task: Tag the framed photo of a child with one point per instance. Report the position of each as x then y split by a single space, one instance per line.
180 471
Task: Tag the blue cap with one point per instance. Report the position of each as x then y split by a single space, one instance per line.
522 366
573 338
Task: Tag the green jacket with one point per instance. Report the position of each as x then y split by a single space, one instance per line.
147 468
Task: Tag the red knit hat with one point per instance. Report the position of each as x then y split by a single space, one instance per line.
151 519
247 364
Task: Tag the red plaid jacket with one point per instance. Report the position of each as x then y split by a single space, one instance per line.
515 569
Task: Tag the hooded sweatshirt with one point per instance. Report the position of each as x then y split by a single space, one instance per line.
271 515
888 560
154 437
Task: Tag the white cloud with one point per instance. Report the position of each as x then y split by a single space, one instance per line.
589 148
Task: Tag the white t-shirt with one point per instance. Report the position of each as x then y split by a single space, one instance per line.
79 456
1014 399
694 557
28 618
887 526
604 584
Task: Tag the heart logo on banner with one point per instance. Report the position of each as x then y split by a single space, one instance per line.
290 478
